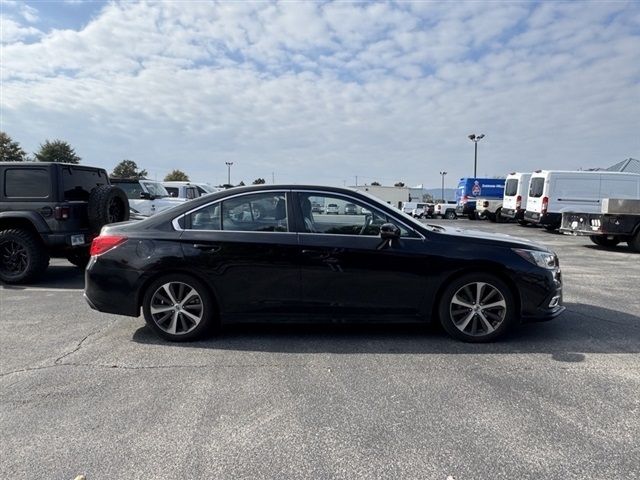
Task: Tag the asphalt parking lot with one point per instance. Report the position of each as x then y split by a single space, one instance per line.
88 393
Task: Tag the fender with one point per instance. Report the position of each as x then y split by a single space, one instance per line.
32 217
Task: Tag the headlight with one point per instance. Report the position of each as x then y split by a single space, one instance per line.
542 259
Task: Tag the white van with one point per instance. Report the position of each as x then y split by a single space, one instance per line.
516 190
553 192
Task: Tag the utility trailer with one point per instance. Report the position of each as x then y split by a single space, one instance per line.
619 221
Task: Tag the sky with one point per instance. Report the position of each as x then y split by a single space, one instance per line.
325 92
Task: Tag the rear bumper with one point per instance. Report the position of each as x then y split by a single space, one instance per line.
517 214
465 209
111 291
543 219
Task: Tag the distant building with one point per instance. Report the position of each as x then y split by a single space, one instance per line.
391 195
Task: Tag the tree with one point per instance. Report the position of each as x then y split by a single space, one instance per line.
57 151
176 176
10 151
375 184
259 181
241 184
128 169
398 184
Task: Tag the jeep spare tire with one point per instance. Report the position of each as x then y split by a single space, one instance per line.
107 204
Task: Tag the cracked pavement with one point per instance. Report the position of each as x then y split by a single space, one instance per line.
88 393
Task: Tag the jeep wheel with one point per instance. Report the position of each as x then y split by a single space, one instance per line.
22 256
107 204
80 258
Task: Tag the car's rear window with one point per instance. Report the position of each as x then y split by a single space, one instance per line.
78 182
536 187
511 187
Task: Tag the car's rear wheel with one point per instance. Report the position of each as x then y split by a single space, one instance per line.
80 258
477 308
634 243
23 257
450 215
603 241
179 308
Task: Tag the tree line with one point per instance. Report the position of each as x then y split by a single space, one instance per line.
60 151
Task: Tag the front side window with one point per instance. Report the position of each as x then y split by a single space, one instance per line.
26 183
358 218
131 189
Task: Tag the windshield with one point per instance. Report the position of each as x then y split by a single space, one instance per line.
155 189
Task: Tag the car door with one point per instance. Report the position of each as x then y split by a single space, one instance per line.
244 247
347 269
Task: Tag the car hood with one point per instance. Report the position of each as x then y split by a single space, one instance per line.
480 236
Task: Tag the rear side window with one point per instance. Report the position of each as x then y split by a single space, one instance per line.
536 187
191 193
511 187
26 183
78 182
173 191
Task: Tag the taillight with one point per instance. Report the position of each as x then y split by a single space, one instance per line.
104 243
61 213
518 202
545 204
464 199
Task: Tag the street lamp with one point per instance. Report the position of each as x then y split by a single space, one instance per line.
475 139
442 197
228 164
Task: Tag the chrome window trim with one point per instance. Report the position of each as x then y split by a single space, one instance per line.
177 227
422 237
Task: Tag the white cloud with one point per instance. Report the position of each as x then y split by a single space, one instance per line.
323 92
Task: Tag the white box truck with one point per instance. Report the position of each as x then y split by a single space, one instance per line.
516 193
553 192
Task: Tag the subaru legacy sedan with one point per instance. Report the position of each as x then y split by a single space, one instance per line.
259 253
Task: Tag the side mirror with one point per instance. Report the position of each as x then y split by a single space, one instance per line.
388 231
146 196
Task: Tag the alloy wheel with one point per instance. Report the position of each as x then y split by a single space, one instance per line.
14 258
176 308
478 309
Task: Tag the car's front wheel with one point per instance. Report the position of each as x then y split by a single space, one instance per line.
477 308
179 308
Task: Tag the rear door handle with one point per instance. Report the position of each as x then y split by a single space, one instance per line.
207 247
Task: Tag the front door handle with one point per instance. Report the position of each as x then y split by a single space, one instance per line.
207 247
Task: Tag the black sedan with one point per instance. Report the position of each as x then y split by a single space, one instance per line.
259 253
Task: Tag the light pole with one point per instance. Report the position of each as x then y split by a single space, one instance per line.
475 139
228 164
443 174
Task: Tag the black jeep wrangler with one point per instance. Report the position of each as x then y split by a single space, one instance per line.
52 210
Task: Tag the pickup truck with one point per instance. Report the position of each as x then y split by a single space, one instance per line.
619 221
490 208
146 197
445 210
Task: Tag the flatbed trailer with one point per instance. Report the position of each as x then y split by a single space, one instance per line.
618 222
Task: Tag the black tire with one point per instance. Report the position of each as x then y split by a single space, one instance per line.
523 223
500 318
472 216
499 217
634 243
493 218
551 228
23 257
208 313
79 257
450 215
107 204
603 241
